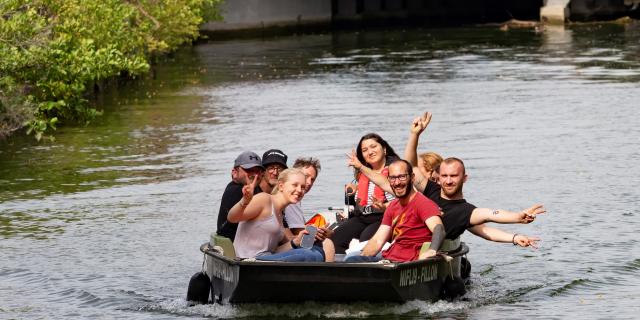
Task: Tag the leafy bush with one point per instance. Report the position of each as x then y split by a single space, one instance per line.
52 52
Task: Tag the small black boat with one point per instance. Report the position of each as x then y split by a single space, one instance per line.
248 281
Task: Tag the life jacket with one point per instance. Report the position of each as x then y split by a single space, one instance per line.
363 188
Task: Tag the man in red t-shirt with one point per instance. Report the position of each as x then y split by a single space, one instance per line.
409 221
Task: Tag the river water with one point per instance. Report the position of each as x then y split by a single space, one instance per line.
106 221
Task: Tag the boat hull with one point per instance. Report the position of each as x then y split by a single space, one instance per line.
242 281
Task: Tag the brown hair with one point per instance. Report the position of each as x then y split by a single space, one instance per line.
308 162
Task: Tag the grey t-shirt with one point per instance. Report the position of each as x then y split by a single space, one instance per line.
293 216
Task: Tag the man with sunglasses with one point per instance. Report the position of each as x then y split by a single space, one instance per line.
246 166
408 222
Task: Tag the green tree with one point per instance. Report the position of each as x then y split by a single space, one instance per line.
52 52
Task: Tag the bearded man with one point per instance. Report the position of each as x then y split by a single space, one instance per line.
408 222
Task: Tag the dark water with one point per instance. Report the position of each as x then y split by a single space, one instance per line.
106 221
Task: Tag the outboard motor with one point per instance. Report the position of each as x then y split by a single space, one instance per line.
465 268
453 287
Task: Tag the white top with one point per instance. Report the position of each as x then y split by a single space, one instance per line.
370 190
258 236
293 216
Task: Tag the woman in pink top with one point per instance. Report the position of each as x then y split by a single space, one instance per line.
260 228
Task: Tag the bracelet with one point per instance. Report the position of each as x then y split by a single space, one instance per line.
513 240
242 204
293 245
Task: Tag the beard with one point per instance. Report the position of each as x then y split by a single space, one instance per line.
453 193
404 192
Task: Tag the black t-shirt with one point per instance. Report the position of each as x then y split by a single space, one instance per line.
232 194
456 213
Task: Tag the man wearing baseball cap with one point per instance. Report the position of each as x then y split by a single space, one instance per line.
274 161
245 167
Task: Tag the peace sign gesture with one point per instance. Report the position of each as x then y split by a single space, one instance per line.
247 191
530 214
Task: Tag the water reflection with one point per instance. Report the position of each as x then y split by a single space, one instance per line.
122 205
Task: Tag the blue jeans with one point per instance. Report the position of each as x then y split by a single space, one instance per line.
314 254
354 259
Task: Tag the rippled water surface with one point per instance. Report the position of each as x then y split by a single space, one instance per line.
106 221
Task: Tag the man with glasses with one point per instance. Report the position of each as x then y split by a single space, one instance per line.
409 221
246 166
274 161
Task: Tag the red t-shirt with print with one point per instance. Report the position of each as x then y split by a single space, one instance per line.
408 227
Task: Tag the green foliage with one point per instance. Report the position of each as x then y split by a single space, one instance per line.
52 52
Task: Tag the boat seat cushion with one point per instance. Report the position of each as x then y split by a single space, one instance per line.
224 243
447 245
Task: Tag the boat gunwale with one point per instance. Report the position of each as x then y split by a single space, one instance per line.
206 248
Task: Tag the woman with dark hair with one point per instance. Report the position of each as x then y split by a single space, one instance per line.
370 200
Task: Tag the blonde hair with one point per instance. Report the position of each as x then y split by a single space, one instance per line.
285 175
431 161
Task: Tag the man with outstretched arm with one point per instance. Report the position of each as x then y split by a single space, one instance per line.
408 222
459 215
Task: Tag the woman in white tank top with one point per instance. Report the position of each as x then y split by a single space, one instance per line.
260 228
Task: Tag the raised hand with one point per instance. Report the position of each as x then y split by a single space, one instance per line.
426 119
420 123
352 160
248 190
531 213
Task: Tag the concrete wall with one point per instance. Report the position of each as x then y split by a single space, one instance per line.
254 14
259 14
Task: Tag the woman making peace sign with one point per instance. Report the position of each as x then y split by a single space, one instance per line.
260 228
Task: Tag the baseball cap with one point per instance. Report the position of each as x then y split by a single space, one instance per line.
274 156
248 160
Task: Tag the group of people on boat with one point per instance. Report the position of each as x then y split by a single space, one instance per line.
400 204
